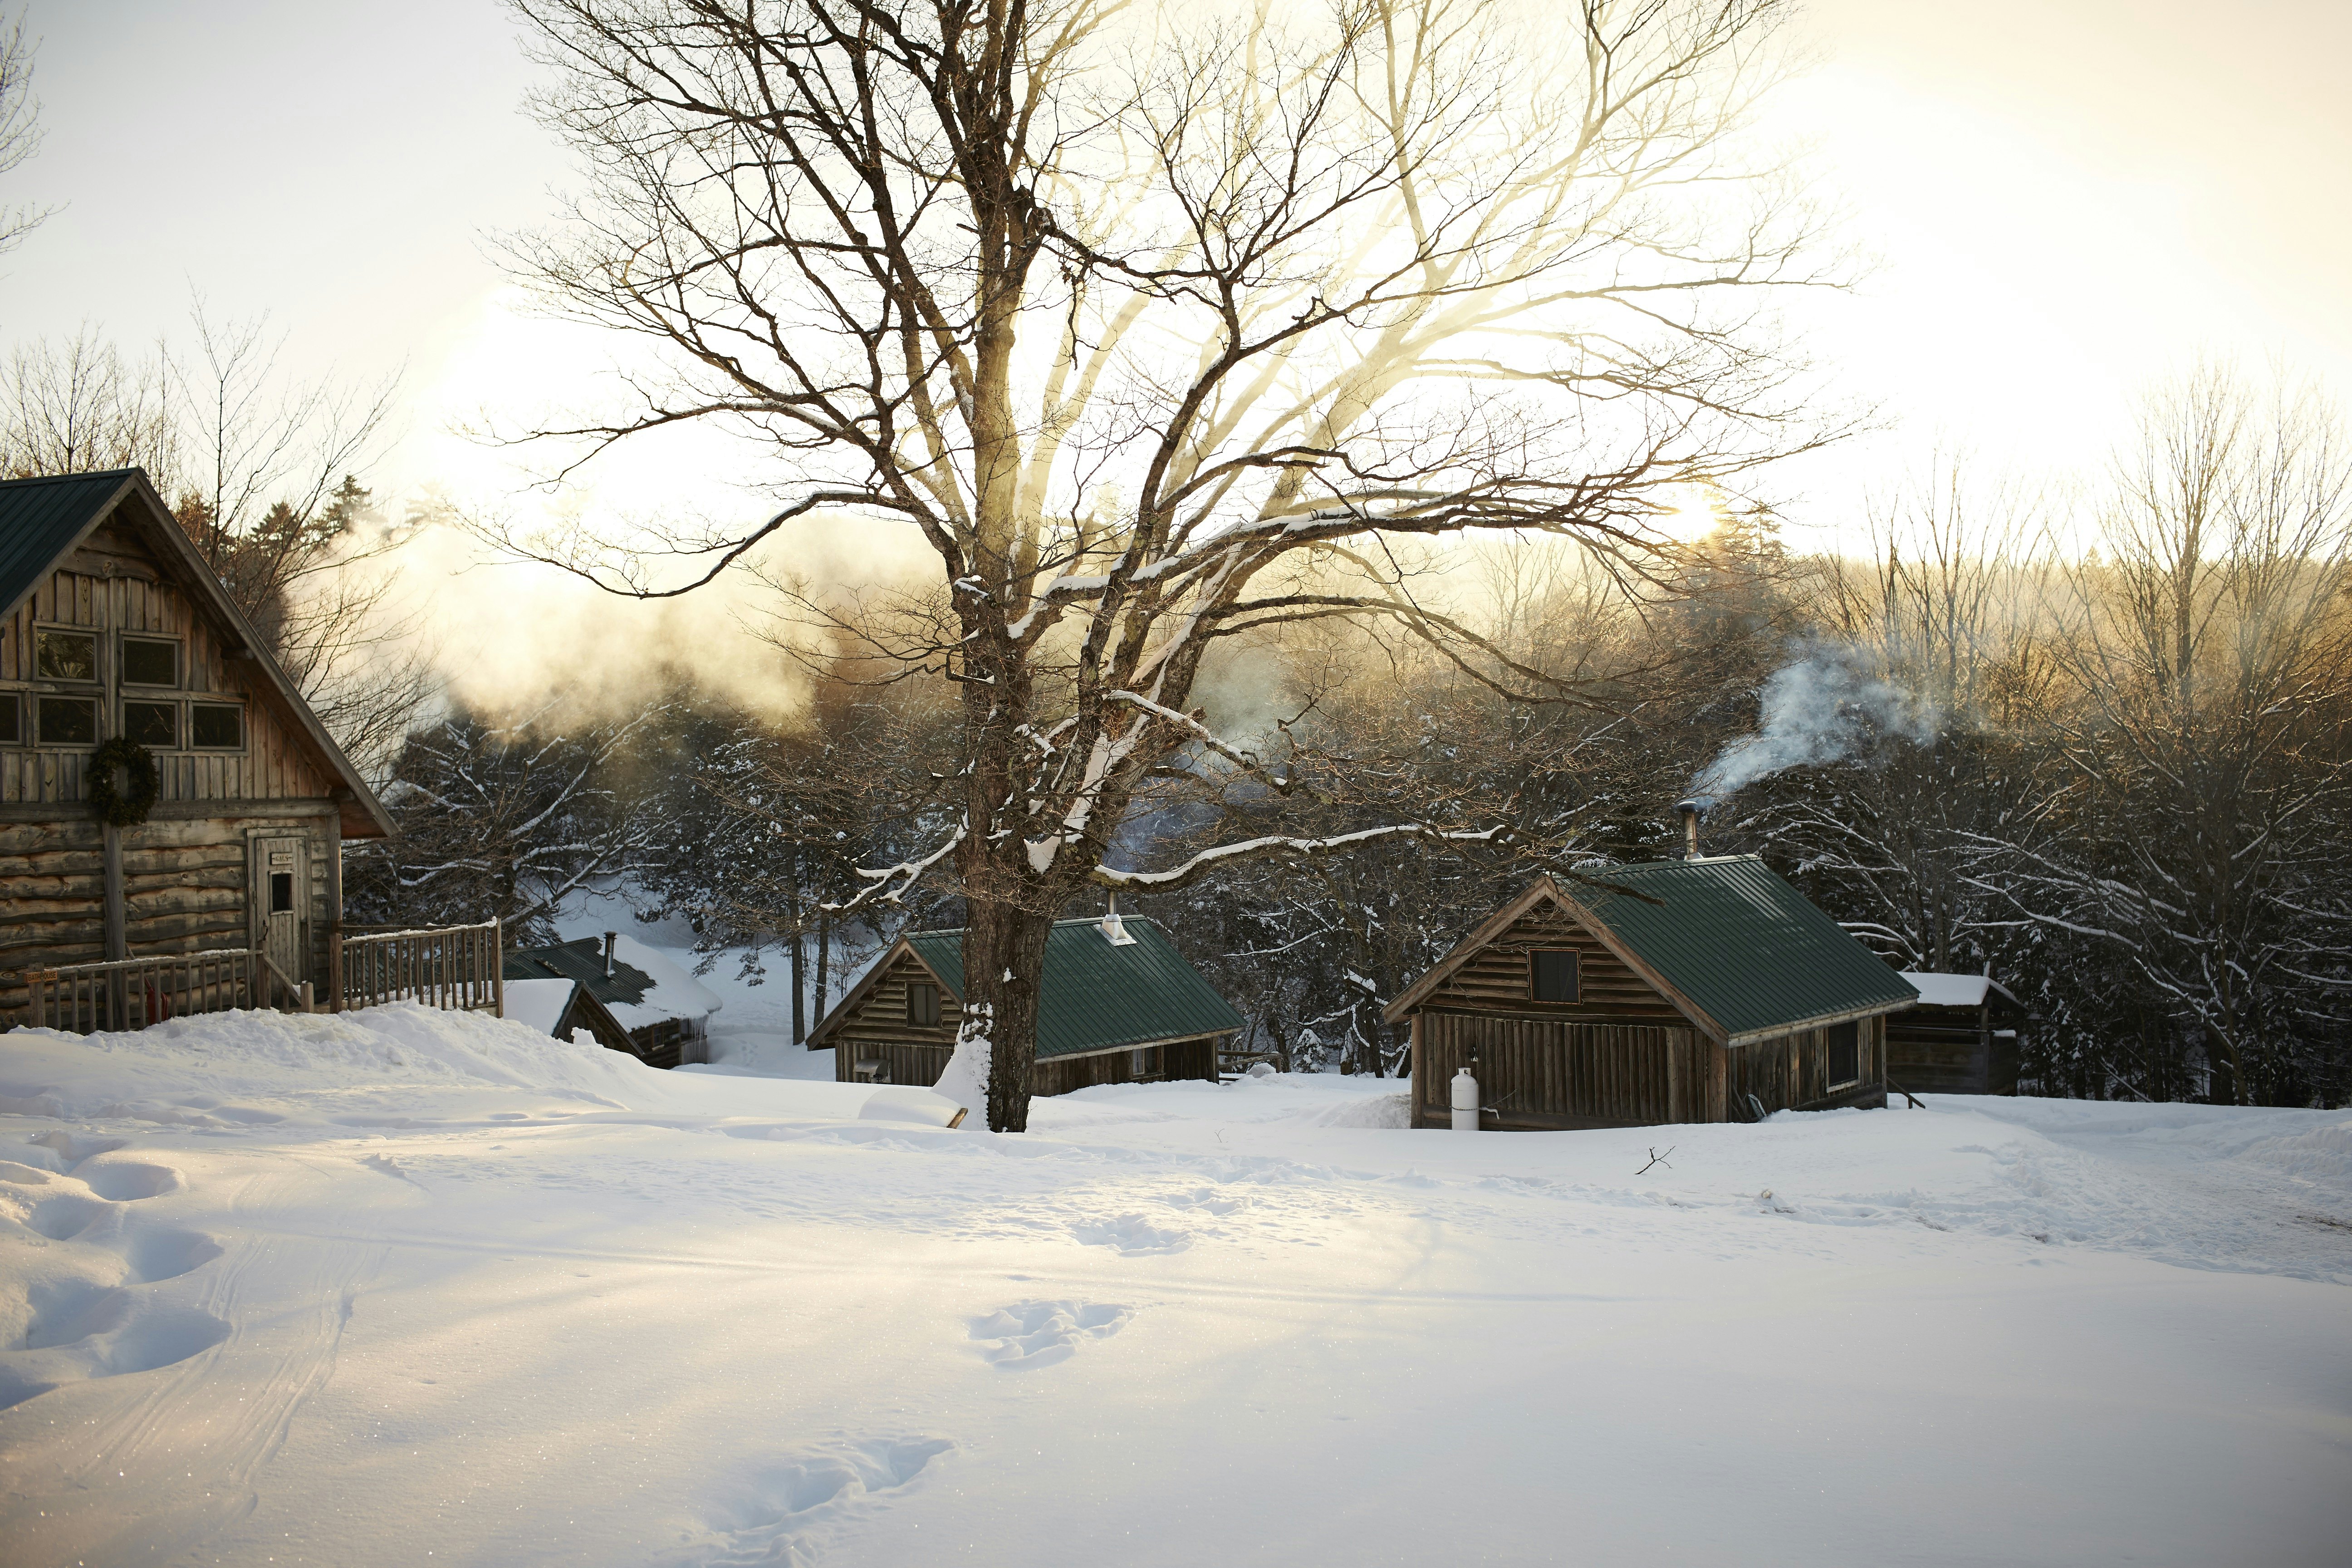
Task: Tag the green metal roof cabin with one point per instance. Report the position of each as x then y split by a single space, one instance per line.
1119 1004
1699 990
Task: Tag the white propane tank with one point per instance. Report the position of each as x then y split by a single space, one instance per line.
1465 1102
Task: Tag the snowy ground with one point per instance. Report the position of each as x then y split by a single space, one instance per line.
403 1286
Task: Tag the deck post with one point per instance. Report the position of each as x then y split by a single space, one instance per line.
499 966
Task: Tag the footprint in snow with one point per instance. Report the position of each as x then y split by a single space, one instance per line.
1131 1235
84 1311
786 1512
1039 1333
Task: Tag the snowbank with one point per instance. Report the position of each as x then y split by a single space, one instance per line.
364 1289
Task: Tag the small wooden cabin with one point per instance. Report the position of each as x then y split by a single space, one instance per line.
1963 1037
111 625
561 1008
663 1013
1699 990
1120 1004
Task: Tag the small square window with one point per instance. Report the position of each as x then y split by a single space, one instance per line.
153 724
215 726
11 719
68 721
149 661
281 893
1845 1054
1147 1061
65 655
1553 975
923 1004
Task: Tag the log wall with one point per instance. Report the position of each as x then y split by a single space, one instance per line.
186 882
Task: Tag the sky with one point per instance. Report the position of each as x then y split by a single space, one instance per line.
2063 201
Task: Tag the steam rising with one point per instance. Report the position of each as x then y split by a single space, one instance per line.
1826 705
505 639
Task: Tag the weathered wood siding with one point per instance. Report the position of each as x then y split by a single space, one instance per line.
878 1026
1497 978
1791 1072
1548 1074
1949 1050
189 872
111 586
1177 1059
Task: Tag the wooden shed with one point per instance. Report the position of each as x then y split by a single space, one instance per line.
112 626
563 1008
660 1013
1119 1004
1699 990
1963 1037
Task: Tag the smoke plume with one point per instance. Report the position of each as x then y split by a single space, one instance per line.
1828 704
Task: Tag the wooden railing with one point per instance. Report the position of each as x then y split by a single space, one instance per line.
133 993
454 967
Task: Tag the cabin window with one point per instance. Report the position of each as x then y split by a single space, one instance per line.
155 725
923 1004
65 655
150 662
281 893
1147 1061
215 726
68 721
11 719
1845 1054
1554 977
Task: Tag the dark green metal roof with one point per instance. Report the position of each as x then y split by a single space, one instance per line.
41 519
581 958
1098 997
1750 950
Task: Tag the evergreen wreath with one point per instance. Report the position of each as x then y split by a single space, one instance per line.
129 806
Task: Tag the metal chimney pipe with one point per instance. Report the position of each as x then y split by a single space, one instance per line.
1691 810
611 937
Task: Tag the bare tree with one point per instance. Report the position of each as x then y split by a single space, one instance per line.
505 815
20 127
79 406
2201 732
1160 330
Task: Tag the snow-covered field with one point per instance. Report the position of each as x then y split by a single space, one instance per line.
405 1286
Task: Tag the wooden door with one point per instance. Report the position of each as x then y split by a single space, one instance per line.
280 879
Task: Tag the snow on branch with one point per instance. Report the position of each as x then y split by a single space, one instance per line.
1279 844
906 874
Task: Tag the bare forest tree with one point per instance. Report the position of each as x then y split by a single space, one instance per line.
505 815
1161 328
2199 734
20 127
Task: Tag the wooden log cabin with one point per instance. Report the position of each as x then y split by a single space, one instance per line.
114 626
1119 1004
1699 990
1963 1037
659 1012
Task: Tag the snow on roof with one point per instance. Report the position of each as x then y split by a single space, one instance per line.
674 994
539 1003
1949 990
